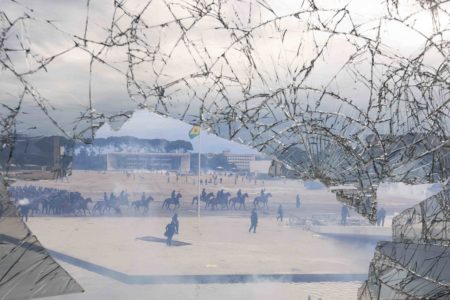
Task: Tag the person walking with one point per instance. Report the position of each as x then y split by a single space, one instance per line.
381 215
170 231
176 223
345 213
297 201
24 210
253 221
280 213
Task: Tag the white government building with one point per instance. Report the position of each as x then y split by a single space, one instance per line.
180 162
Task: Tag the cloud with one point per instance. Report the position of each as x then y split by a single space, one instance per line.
144 124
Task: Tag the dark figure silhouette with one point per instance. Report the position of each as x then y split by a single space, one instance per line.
344 214
170 231
173 194
176 223
253 221
297 201
381 215
280 213
24 210
175 201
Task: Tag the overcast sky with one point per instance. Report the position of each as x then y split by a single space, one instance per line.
164 54
64 84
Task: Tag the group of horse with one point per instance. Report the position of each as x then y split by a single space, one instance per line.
223 200
50 201
34 200
44 200
114 203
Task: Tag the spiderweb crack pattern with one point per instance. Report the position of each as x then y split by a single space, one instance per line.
325 88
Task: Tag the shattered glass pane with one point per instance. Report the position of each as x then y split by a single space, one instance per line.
416 263
324 88
427 222
408 271
26 269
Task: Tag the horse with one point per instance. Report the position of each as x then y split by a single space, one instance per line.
100 207
264 199
175 201
46 206
223 201
240 200
123 199
81 205
212 202
144 203
202 199
34 206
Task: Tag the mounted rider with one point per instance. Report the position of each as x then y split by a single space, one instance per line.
203 195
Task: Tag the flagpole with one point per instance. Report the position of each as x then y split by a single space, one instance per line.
199 168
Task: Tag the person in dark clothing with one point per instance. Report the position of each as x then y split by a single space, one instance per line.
219 195
176 223
381 215
297 201
344 214
24 209
280 213
170 231
173 194
253 221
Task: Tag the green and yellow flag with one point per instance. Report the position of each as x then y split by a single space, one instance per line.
194 132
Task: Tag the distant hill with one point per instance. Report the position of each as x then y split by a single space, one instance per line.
93 156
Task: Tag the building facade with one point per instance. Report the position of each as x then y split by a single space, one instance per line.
241 161
179 162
